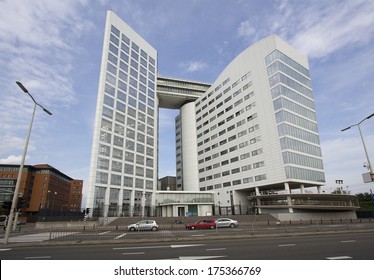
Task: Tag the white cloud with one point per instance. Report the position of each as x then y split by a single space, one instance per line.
193 66
335 26
316 28
246 29
11 160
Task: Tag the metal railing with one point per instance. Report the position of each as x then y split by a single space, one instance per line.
176 231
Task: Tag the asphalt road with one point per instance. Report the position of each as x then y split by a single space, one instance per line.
356 246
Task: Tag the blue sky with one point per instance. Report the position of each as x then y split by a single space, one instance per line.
54 49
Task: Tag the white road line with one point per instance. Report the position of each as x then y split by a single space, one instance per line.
6 249
286 245
185 245
105 232
38 257
119 236
339 258
216 249
134 253
158 247
348 241
137 248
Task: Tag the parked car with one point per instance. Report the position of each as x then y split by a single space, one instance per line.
226 222
202 224
143 225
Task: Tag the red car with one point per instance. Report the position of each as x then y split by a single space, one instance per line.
203 224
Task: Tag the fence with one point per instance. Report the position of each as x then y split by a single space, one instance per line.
178 230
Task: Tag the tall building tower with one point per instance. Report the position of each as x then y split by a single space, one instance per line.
124 157
123 172
257 129
250 139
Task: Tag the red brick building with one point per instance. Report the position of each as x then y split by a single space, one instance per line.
42 187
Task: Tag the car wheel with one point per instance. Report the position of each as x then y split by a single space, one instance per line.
212 227
232 225
192 228
154 228
132 229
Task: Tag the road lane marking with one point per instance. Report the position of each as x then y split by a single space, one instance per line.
6 249
216 249
105 232
158 247
134 253
348 241
185 245
120 236
286 245
339 258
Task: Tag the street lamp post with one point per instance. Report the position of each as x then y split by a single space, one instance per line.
16 190
363 142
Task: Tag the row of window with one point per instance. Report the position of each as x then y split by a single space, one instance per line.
281 78
304 174
228 98
283 103
299 146
227 161
233 171
128 168
116 180
237 182
285 116
130 145
210 99
232 136
231 149
307 161
293 95
276 54
279 66
284 90
140 128
248 119
128 156
114 194
124 45
289 130
121 119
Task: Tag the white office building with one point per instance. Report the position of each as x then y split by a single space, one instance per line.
249 141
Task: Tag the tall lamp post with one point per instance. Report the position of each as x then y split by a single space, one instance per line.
363 142
16 190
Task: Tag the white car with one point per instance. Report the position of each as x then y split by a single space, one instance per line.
226 222
143 225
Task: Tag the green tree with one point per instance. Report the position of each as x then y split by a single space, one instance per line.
365 200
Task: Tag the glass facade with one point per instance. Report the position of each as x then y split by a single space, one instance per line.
291 90
125 151
180 197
